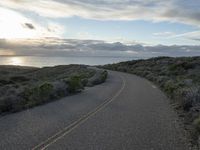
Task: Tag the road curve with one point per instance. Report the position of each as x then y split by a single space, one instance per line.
125 113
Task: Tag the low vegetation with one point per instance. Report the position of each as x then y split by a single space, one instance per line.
98 78
26 87
179 78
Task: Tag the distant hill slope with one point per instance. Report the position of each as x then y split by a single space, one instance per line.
179 78
26 87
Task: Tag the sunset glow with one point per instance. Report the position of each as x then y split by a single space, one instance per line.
11 25
16 61
105 28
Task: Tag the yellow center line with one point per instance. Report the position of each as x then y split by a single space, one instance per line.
60 134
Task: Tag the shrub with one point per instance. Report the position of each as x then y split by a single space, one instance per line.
19 78
196 124
180 67
10 103
84 81
99 78
5 105
60 89
161 80
188 97
74 84
170 87
45 89
103 76
5 81
38 94
22 87
150 76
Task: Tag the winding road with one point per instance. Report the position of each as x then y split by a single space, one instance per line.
125 113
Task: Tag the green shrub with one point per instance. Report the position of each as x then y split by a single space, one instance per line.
103 76
74 84
196 124
45 89
170 87
38 94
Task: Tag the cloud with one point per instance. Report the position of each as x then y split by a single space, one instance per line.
165 34
29 25
72 47
196 39
182 11
192 36
14 24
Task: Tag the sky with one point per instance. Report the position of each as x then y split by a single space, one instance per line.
100 27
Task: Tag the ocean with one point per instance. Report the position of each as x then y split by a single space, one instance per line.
53 61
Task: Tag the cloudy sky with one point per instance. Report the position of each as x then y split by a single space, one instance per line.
100 27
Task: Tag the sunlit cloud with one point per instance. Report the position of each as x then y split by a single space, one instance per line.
15 25
7 52
11 25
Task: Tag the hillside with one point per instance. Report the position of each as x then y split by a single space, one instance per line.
26 87
179 78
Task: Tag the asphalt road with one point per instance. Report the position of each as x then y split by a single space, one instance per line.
125 113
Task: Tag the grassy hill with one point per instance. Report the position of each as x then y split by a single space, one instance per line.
179 78
26 87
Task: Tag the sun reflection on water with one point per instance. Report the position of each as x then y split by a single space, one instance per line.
16 61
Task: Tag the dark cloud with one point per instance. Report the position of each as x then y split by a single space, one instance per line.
72 47
29 25
195 39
